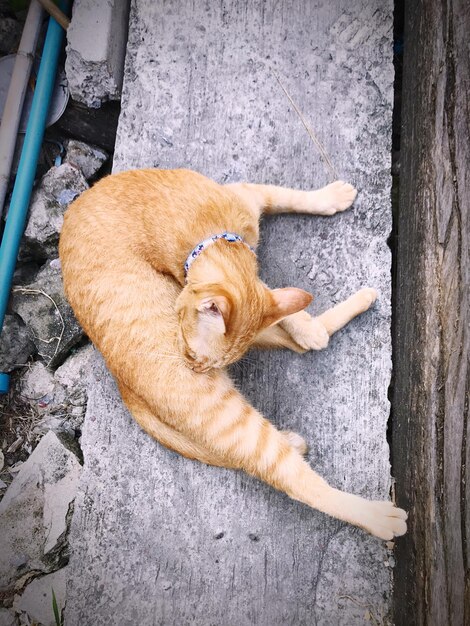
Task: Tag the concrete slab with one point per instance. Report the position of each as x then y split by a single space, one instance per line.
157 539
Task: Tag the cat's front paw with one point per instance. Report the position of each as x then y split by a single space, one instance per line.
337 196
383 519
365 298
314 335
307 331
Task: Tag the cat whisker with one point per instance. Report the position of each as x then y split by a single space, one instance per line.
248 359
238 365
159 354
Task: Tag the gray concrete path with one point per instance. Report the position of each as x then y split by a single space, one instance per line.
158 539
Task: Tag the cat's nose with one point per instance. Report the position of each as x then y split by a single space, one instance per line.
189 360
196 363
189 355
201 366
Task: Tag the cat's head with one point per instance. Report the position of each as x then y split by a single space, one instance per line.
223 308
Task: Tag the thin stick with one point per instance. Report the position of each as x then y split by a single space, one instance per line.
309 130
365 605
59 338
56 13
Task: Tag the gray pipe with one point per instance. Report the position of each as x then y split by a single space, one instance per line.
16 93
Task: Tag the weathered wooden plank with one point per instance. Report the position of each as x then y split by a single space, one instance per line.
158 539
431 398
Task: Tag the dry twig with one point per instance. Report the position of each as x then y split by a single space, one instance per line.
309 130
59 338
55 12
378 621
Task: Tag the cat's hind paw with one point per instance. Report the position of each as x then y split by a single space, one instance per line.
335 197
296 441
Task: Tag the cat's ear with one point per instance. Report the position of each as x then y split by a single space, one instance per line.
214 312
284 302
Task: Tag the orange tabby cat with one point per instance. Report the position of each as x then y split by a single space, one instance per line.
166 337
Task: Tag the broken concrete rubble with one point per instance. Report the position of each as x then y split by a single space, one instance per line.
38 385
89 159
96 46
73 372
34 513
36 600
7 618
26 272
38 493
57 399
45 311
72 375
38 389
58 188
16 345
10 34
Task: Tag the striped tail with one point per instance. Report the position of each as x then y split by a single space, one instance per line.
223 429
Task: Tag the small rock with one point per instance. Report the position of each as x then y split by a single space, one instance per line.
58 399
73 375
25 272
73 372
16 345
10 34
44 309
34 512
7 618
37 383
38 387
55 264
14 469
58 188
36 600
56 423
66 196
89 159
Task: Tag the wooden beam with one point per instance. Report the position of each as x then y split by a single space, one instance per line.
431 457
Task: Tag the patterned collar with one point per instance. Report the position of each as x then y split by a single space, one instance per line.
231 237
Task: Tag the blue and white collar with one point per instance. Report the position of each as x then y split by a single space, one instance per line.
195 252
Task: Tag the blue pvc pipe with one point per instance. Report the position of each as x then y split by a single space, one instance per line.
19 204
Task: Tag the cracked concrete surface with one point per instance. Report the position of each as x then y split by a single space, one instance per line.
157 539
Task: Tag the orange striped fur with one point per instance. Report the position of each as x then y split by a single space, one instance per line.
123 247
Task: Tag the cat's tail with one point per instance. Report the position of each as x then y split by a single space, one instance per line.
178 442
163 433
